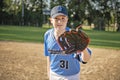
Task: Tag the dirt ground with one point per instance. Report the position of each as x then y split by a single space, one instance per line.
25 61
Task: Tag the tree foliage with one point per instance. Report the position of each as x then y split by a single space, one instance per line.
100 12
30 12
19 11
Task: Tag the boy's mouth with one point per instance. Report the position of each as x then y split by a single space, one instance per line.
59 25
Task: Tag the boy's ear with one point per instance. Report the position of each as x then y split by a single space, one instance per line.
50 20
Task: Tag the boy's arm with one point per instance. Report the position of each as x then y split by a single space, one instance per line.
48 67
85 55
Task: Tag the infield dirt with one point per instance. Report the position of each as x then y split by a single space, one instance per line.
25 61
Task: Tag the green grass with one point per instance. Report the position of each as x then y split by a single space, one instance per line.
23 34
104 39
101 39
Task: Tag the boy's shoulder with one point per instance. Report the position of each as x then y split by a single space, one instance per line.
49 31
67 28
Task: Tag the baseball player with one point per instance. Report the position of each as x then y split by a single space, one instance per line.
61 66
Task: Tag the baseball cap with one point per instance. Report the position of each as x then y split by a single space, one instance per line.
58 10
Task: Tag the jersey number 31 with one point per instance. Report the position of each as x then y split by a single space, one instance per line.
64 64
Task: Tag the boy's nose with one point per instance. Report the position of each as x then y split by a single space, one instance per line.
59 21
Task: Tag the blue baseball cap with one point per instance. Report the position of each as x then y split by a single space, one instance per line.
58 10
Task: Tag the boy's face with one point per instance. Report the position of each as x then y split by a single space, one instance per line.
59 22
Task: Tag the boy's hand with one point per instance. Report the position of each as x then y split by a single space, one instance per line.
73 41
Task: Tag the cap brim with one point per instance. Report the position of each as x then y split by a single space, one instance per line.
58 14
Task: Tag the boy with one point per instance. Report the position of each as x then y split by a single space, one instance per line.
60 66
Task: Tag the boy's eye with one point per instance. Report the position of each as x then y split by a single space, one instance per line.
63 18
60 19
56 18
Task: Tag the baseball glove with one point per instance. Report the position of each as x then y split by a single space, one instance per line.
73 41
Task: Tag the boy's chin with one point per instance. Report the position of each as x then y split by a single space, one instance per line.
60 27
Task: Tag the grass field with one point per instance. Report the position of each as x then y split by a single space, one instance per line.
24 34
22 55
101 39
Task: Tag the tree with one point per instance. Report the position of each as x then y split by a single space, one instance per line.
118 15
27 12
1 12
78 13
